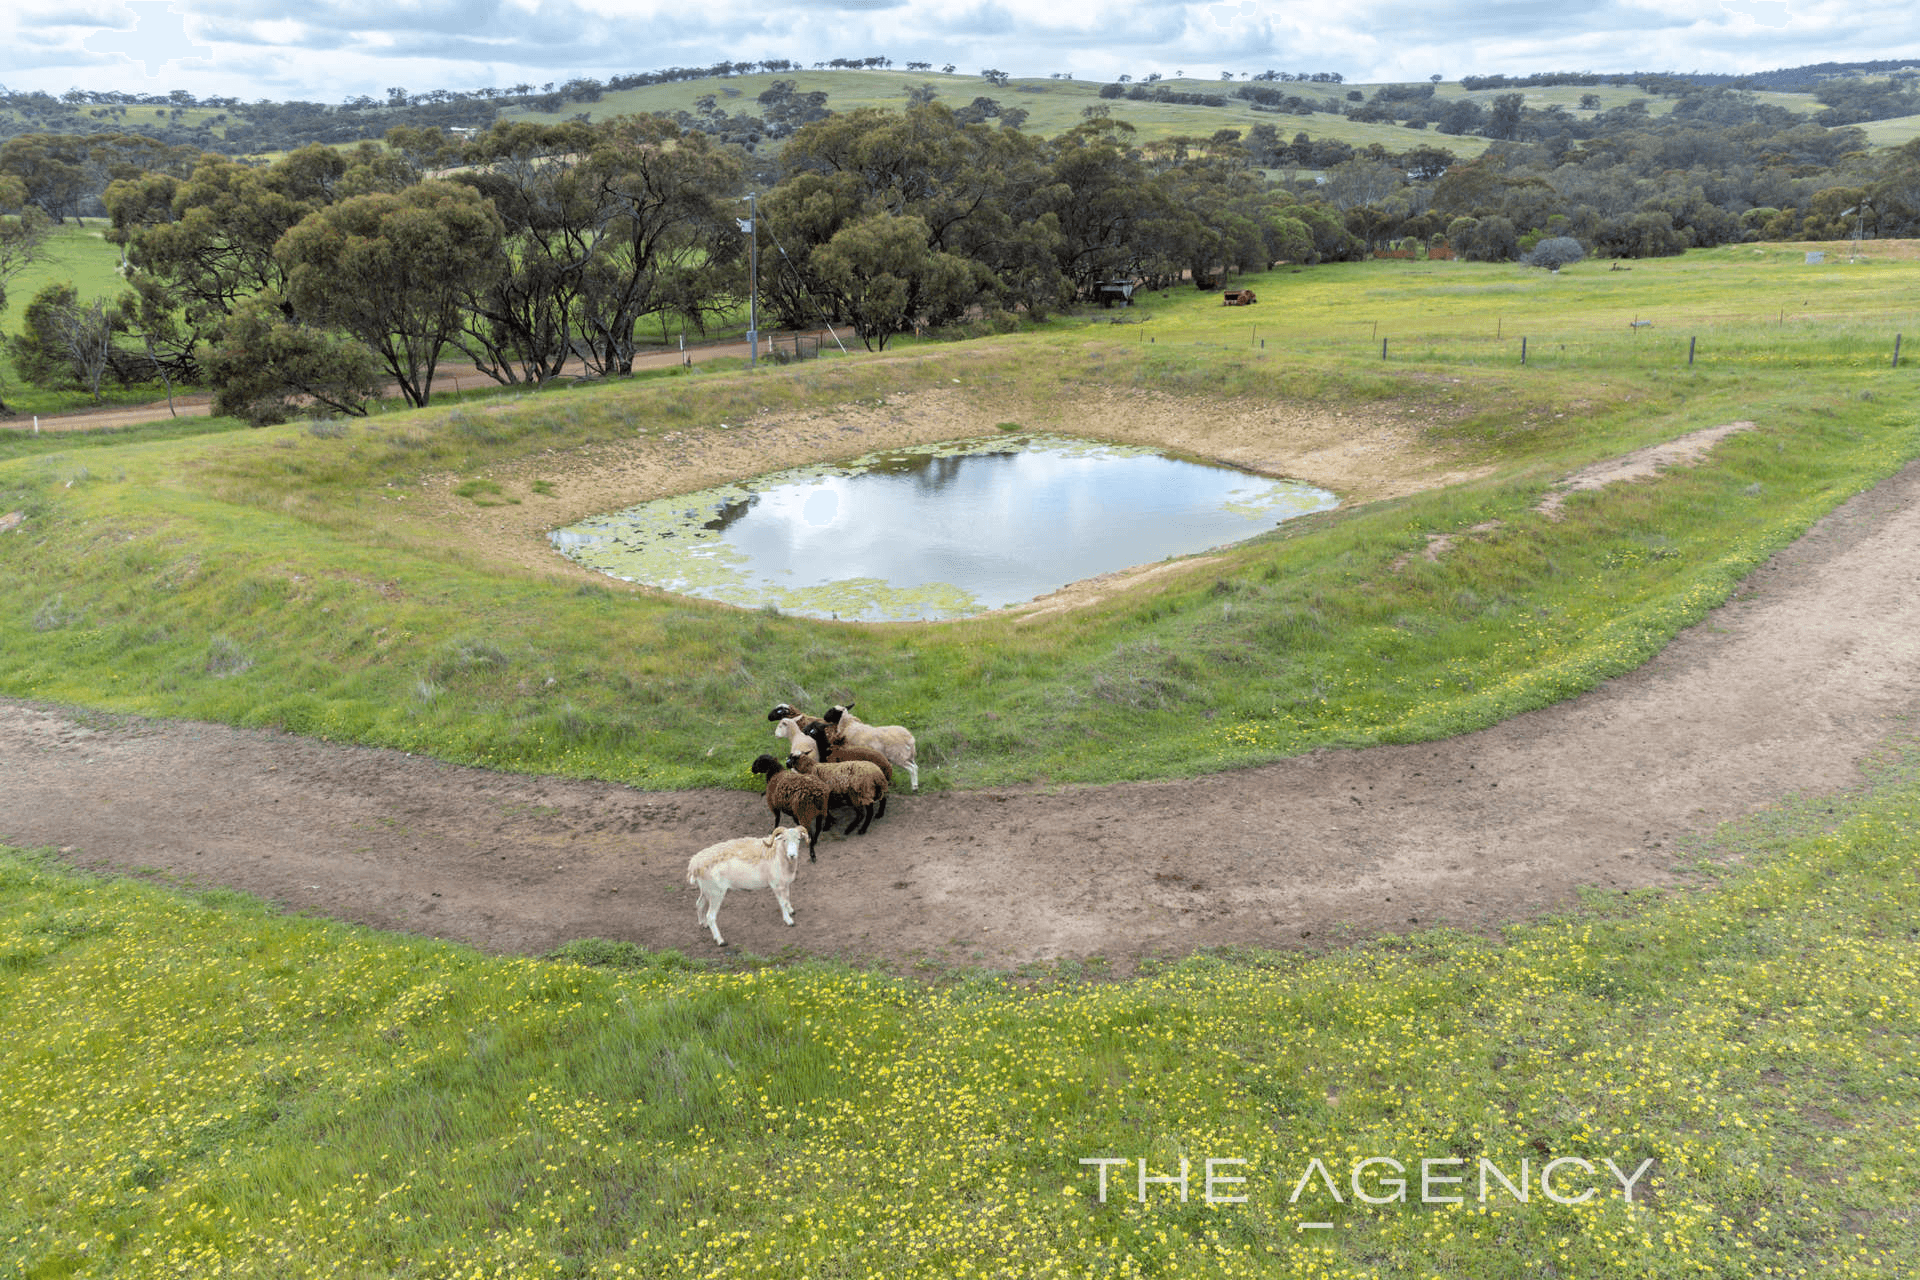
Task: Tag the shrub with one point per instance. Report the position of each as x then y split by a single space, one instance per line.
266 367
1555 252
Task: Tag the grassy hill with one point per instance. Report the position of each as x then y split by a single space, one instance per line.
1892 133
1054 106
199 1084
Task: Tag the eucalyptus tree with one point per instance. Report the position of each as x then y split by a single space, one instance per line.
1100 185
981 197
884 276
669 245
393 271
23 232
197 247
521 321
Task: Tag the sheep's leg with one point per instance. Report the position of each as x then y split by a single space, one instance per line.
813 834
719 893
883 804
786 906
913 773
865 813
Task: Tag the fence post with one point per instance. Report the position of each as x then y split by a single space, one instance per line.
1383 348
1523 349
1690 342
1896 352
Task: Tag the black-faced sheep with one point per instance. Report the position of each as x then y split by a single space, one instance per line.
748 862
807 799
787 712
855 782
892 741
813 742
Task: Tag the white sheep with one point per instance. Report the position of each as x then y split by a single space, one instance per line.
892 741
749 862
812 742
793 729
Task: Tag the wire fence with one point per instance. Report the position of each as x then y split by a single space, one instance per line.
1854 341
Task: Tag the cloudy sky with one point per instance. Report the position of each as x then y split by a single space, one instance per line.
331 50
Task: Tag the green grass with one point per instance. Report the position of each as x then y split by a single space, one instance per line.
78 254
313 551
198 1085
1892 133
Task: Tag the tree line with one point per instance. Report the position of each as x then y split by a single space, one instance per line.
529 246
532 246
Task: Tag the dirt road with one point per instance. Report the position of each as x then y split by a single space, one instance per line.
453 377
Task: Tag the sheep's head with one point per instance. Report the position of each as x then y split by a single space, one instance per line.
790 836
783 712
800 763
767 765
835 712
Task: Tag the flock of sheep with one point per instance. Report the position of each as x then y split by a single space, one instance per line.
833 761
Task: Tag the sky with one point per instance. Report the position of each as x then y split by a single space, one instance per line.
333 50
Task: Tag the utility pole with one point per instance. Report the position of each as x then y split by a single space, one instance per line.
750 226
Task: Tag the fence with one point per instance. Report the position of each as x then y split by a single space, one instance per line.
789 347
1857 341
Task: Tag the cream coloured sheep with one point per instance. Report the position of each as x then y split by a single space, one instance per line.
749 862
892 741
795 729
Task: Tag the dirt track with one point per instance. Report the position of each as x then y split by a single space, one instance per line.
1786 689
455 377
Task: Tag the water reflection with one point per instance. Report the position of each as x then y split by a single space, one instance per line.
933 533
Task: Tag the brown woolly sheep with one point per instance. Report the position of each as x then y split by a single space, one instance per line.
854 782
807 799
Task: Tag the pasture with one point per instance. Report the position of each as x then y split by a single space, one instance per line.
1054 106
373 602
203 1084
76 254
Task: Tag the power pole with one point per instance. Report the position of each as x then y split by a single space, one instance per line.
753 278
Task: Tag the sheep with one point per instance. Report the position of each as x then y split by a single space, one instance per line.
891 741
855 782
748 862
813 742
795 729
786 712
806 799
